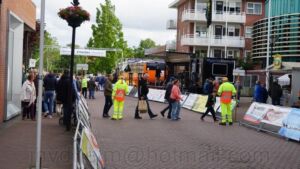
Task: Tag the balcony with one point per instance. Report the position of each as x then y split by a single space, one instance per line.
196 40
191 15
171 24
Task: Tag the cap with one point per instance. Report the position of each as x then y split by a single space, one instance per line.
224 79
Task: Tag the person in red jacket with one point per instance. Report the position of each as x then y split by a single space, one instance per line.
175 99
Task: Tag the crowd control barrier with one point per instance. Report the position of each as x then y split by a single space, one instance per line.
86 151
278 120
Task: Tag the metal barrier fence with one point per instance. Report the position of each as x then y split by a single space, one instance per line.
86 153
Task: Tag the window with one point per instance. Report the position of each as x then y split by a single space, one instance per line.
248 31
230 54
201 7
254 8
217 53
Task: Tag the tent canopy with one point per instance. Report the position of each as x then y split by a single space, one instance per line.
284 80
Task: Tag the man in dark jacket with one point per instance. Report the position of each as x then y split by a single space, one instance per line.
143 91
167 97
92 88
63 95
275 92
49 86
108 96
210 106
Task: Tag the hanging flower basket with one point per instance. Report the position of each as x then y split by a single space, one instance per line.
74 15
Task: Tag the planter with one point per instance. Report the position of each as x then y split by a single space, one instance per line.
74 22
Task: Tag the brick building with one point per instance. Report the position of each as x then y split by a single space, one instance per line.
229 35
17 20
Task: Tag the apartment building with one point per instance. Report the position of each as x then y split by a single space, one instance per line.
17 21
230 33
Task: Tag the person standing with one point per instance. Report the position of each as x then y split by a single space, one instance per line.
257 96
107 94
63 95
167 97
226 91
264 93
275 93
84 85
143 91
49 86
210 106
28 97
175 99
92 88
238 87
119 92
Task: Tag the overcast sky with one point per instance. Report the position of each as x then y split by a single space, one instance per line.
141 19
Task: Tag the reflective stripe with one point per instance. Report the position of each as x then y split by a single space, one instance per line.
120 95
226 97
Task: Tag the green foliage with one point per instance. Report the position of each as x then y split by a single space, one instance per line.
144 44
246 64
107 33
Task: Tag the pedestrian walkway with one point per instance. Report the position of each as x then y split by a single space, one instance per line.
186 144
18 145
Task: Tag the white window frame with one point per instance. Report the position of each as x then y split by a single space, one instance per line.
254 3
248 33
230 56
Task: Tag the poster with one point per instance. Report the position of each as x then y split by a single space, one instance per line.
200 104
133 92
291 125
91 150
189 102
275 115
256 112
184 97
129 89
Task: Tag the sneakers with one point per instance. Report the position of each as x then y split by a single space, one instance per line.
106 116
230 123
138 117
162 114
153 116
222 124
49 116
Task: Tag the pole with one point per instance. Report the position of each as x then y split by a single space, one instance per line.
40 78
71 76
268 45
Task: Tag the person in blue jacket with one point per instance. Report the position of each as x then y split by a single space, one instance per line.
258 96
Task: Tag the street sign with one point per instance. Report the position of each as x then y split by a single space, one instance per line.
83 52
238 72
32 63
82 67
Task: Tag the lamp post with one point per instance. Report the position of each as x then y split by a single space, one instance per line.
268 45
74 15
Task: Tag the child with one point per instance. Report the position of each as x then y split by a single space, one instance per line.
210 106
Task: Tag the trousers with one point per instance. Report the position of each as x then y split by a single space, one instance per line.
226 112
118 110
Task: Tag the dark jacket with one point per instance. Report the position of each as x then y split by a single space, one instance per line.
143 89
50 82
91 84
264 93
108 88
275 91
168 90
211 100
62 90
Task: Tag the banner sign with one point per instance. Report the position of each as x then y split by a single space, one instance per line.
184 97
83 52
91 150
265 113
189 102
200 104
129 90
291 125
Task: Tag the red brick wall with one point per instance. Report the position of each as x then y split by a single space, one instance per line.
251 19
184 28
24 9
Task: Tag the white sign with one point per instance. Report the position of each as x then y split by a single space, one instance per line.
82 67
237 72
83 52
32 63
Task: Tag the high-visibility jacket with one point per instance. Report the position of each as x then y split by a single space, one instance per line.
120 90
226 91
84 83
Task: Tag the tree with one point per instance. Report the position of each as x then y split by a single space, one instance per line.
144 44
107 33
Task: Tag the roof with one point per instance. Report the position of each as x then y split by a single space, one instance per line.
176 3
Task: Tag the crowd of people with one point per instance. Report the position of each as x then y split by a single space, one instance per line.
55 93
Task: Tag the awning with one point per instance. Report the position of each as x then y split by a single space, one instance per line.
284 80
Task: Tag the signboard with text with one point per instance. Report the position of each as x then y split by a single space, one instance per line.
83 52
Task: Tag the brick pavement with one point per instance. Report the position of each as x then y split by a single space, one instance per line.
18 145
187 144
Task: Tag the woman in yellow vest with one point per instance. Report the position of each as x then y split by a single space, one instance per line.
119 92
226 91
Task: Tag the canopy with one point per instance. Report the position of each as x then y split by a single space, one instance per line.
284 80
